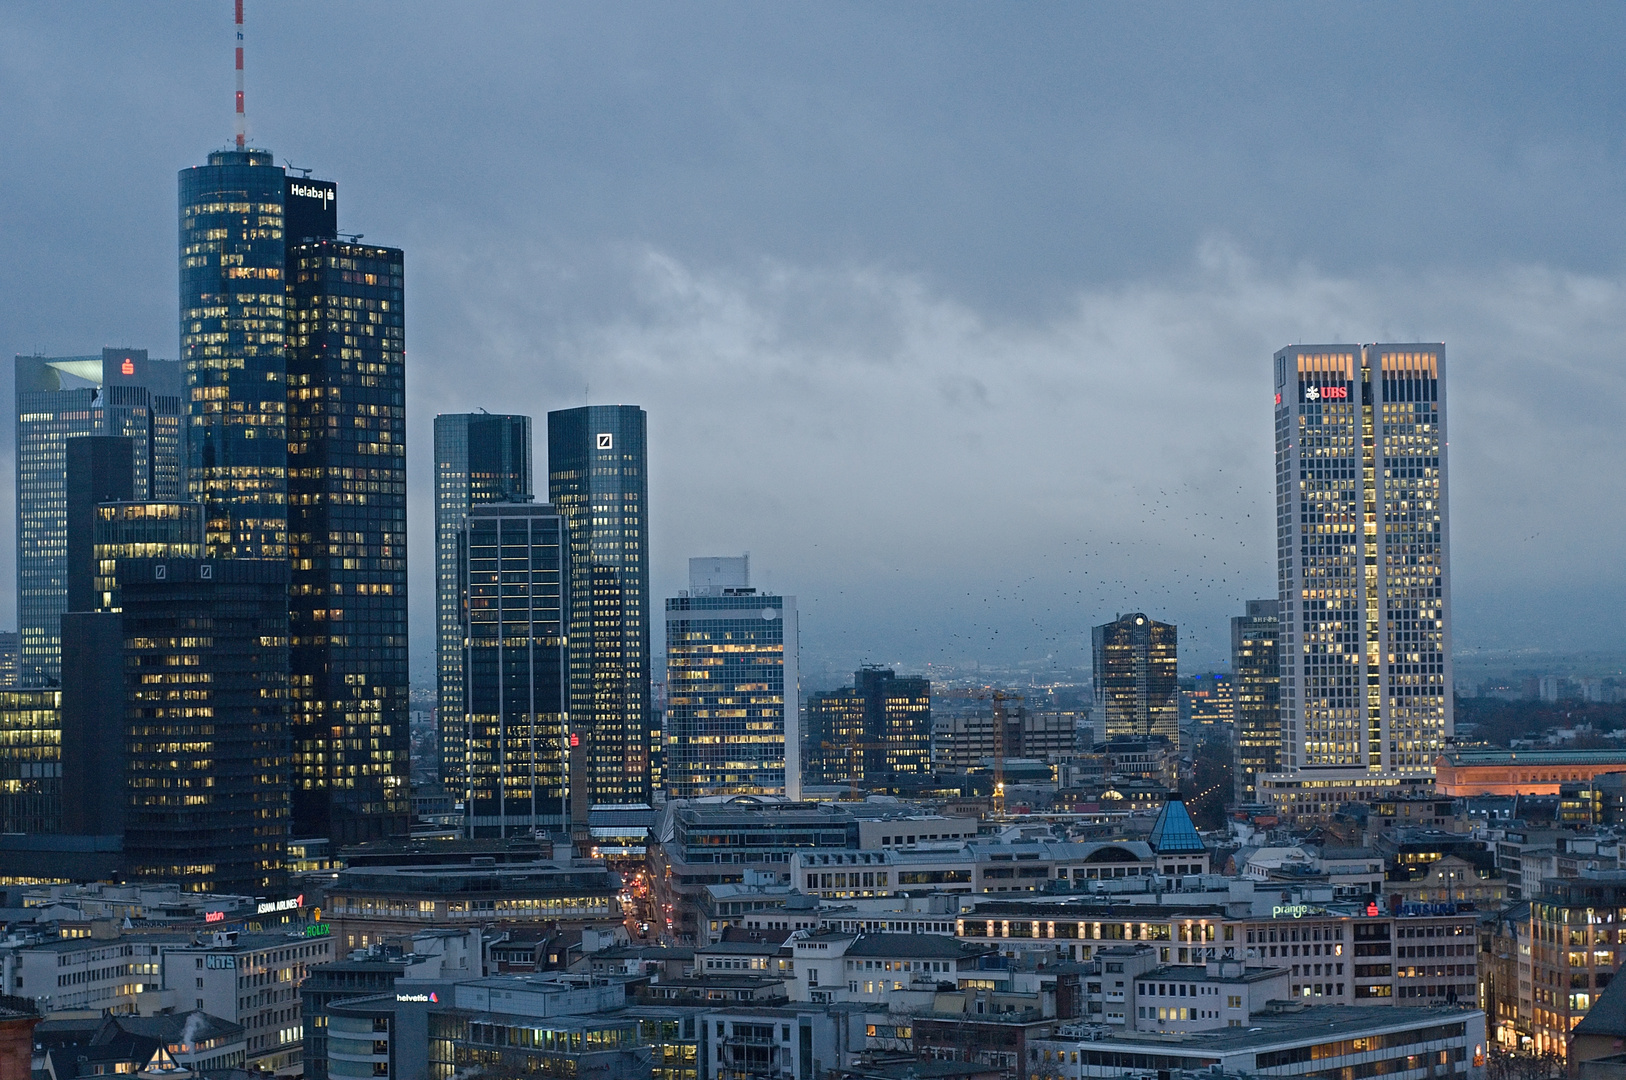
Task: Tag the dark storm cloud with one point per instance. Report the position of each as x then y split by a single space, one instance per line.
957 317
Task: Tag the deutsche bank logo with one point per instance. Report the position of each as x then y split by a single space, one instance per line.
605 441
206 571
160 572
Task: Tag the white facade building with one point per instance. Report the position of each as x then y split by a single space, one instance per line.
1364 572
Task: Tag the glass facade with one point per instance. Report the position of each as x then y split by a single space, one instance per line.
597 478
1136 682
875 730
121 393
732 723
1256 683
142 530
232 309
206 663
1362 533
515 669
346 536
30 761
479 458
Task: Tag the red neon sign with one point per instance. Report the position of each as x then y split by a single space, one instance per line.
575 740
214 916
1335 391
128 367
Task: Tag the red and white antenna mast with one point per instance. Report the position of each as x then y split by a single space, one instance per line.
241 129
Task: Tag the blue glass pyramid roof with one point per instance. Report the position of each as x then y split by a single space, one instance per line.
1173 833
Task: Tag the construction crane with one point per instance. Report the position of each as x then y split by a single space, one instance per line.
998 698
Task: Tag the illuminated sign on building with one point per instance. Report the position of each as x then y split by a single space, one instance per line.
311 191
1326 393
221 963
320 929
280 905
431 996
214 916
1295 911
128 367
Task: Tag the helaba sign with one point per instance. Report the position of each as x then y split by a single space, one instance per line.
268 906
1326 393
1295 911
311 191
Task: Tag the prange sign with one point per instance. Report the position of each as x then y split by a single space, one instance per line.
309 209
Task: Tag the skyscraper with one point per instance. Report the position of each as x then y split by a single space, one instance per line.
1255 682
597 478
119 393
732 722
1136 681
1364 571
516 677
479 458
878 729
208 754
346 422
233 295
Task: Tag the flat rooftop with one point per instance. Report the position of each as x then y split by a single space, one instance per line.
1317 1023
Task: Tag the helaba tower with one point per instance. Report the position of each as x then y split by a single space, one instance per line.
1364 571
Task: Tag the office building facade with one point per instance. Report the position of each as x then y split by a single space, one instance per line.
1135 678
732 722
120 393
1363 562
515 559
1255 681
30 760
479 458
876 730
232 275
598 479
205 662
347 548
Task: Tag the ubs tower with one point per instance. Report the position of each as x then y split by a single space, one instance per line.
479 458
119 393
1365 598
232 351
598 481
346 416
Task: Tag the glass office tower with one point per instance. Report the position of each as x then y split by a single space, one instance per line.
232 303
597 478
1136 679
1365 598
30 761
346 482
732 722
479 458
1255 682
879 729
122 392
208 754
516 677
141 530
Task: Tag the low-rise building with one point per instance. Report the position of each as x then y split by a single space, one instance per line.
369 904
896 971
1203 997
1316 1040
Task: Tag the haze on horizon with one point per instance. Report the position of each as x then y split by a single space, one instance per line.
958 317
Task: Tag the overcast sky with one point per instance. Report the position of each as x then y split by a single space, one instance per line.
957 317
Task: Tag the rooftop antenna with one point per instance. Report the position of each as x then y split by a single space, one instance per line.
242 131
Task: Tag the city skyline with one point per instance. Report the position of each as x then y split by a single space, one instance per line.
644 311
